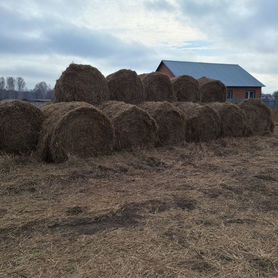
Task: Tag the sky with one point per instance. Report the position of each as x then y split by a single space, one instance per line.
39 39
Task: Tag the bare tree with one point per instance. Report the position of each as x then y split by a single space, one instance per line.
10 83
20 84
41 89
2 83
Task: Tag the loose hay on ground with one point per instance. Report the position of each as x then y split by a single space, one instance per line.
212 90
74 128
125 85
233 120
170 121
258 116
157 87
20 124
202 123
134 127
81 83
186 88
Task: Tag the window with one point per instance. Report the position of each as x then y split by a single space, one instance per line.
230 94
250 94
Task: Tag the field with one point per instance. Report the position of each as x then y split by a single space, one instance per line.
193 210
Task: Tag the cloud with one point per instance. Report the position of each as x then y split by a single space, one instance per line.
40 38
159 5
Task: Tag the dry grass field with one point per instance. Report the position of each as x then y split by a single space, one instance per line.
194 210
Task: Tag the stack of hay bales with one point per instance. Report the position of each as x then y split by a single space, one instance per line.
259 117
186 88
212 90
74 128
125 85
233 119
81 83
20 124
134 128
169 120
157 87
202 123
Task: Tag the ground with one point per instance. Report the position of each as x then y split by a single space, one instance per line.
206 209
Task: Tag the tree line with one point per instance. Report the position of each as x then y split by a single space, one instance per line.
15 88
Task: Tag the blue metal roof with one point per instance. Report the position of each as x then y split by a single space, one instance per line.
230 75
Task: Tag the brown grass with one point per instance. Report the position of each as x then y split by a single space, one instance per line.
202 210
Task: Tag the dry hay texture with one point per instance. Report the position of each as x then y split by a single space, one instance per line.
125 85
202 123
169 120
259 117
212 90
20 125
134 127
186 88
157 87
233 120
81 83
74 128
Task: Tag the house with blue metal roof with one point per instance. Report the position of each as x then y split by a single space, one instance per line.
240 84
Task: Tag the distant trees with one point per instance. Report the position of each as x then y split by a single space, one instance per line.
2 83
20 84
10 83
275 94
15 88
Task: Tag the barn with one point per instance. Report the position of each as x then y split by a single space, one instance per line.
240 84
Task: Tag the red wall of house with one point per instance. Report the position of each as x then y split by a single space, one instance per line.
163 69
239 93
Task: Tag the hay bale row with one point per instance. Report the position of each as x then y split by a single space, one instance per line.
233 119
186 88
134 128
258 117
169 120
81 83
157 87
74 128
125 85
20 125
212 90
80 129
202 123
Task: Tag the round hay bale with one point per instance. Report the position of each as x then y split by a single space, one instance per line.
233 119
202 123
74 128
125 85
169 120
157 87
81 83
258 116
20 125
186 88
212 90
134 127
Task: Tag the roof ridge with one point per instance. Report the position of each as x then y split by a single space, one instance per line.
200 62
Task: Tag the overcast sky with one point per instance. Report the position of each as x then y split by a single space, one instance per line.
39 39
